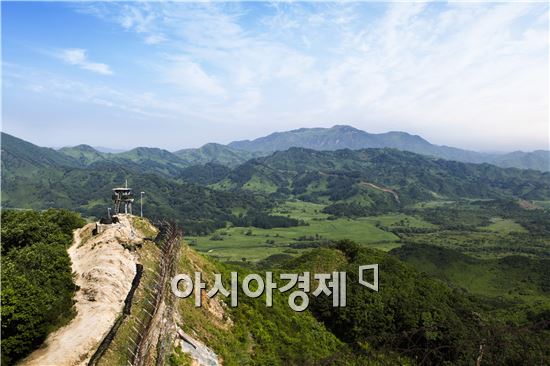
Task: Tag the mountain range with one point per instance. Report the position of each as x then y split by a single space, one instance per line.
321 139
347 137
206 195
40 177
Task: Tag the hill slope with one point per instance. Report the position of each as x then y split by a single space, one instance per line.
215 153
512 277
22 157
40 178
347 137
159 160
384 177
351 182
84 154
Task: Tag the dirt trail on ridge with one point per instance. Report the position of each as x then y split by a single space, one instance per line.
103 270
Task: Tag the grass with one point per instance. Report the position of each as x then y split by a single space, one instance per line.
144 226
433 204
542 204
251 333
260 185
517 279
253 244
504 226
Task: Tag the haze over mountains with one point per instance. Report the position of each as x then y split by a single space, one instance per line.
347 137
334 138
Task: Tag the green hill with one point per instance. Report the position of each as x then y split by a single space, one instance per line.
84 154
87 190
37 280
346 137
151 160
206 174
215 153
22 158
162 161
420 317
538 160
349 182
516 278
42 178
380 178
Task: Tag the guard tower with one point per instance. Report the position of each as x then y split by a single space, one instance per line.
123 199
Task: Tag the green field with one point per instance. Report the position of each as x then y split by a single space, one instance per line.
236 243
504 226
542 204
512 280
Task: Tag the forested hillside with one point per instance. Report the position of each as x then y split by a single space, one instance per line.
346 137
204 197
376 180
87 190
37 283
419 317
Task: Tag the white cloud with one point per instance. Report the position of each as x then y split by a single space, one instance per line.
191 77
459 74
154 39
77 57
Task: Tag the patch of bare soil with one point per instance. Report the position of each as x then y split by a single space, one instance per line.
104 271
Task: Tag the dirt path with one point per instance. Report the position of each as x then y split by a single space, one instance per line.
104 271
387 190
372 185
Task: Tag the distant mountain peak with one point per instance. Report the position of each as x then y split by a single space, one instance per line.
342 136
81 148
345 128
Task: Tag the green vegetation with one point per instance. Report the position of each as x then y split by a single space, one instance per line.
204 174
346 137
484 229
349 183
505 226
217 154
426 320
145 227
515 279
252 244
475 239
414 318
368 177
37 283
199 209
255 334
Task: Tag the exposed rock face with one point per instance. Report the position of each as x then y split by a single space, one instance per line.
198 351
104 270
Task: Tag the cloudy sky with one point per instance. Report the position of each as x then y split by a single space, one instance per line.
177 75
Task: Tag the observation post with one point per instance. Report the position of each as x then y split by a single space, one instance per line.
123 199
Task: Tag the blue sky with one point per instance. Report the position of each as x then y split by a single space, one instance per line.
177 75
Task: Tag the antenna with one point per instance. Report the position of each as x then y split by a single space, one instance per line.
126 184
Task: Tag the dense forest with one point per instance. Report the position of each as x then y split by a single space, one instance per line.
422 318
37 283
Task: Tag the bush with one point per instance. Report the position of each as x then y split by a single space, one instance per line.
37 282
